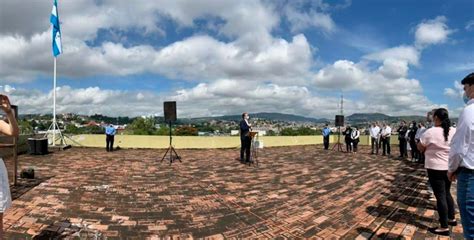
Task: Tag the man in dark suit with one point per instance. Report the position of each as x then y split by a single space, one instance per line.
402 131
245 140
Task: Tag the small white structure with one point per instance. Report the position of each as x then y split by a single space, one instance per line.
234 132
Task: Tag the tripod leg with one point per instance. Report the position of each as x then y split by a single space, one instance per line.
177 156
165 154
171 154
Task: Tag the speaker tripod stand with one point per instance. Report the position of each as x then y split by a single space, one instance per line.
338 144
171 150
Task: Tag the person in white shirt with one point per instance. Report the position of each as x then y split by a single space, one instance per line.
374 131
355 134
461 159
385 138
419 133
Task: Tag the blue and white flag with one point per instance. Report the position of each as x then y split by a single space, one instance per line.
54 19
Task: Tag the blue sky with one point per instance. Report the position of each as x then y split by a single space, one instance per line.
225 57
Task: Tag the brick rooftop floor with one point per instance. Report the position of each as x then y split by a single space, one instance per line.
295 192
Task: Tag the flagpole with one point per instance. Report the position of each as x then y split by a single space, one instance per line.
54 104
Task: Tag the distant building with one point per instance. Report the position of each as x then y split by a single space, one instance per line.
92 123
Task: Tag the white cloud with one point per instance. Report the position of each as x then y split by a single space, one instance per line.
342 74
470 25
393 68
89 101
386 89
456 92
433 31
205 58
243 68
401 53
301 21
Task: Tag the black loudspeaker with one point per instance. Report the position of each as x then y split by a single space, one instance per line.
169 109
339 120
38 146
41 146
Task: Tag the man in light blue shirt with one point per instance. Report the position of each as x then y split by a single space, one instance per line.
110 132
326 132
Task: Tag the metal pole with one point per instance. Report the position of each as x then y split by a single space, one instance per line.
171 147
54 104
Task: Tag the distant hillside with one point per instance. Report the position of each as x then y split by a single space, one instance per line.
368 117
267 116
372 117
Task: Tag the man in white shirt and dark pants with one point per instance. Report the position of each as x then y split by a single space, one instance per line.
461 159
385 138
374 131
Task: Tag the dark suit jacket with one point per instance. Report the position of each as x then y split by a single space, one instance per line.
244 129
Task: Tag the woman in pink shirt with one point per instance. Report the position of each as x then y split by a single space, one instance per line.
435 144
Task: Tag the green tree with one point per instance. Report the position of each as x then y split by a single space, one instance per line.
143 126
72 129
163 130
186 131
94 130
288 132
271 133
25 127
301 131
304 131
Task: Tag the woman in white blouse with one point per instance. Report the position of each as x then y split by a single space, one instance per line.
10 128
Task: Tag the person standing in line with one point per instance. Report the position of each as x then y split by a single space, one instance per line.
326 133
374 131
9 128
245 140
419 133
402 130
110 132
435 143
461 159
355 134
348 139
412 141
385 138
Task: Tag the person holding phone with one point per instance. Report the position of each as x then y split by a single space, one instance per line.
9 128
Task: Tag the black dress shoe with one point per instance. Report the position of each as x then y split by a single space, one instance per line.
438 232
452 223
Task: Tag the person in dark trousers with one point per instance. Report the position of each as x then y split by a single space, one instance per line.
355 134
419 133
374 131
402 131
245 140
347 137
385 134
461 159
435 142
415 154
326 133
110 132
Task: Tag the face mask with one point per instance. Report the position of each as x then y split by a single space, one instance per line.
465 98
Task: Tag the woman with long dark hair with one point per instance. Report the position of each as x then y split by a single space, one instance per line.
9 128
435 143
